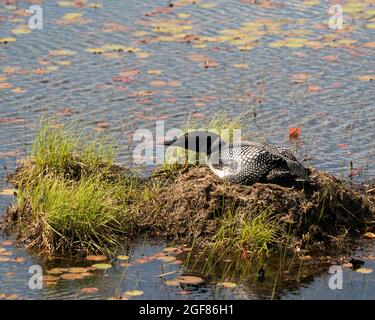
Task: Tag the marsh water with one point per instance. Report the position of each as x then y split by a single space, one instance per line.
118 66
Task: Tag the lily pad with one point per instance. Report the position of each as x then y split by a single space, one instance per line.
366 77
6 253
172 283
364 270
123 257
89 290
170 249
96 258
7 192
49 278
190 280
142 261
7 40
369 235
167 259
72 276
134 293
6 243
57 270
102 266
227 284
77 270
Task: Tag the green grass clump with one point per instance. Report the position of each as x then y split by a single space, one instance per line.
71 195
65 151
254 233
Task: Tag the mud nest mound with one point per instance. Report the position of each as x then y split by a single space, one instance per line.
193 203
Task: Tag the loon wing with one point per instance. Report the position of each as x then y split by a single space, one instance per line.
246 162
243 163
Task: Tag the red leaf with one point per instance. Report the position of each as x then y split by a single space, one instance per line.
294 133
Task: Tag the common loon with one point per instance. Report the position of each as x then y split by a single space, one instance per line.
243 162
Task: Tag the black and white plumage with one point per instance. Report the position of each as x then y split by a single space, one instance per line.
243 162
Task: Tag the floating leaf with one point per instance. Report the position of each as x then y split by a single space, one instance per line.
6 253
170 249
62 52
4 259
77 270
119 47
300 77
11 120
48 278
184 292
57 270
369 235
125 264
346 41
190 280
18 90
19 260
96 258
172 283
159 83
364 270
122 257
167 259
89 290
143 55
129 73
330 58
21 30
95 5
207 5
294 133
66 4
72 276
156 72
5 85
314 89
227 284
177 262
117 298
114 27
366 77
241 66
354 7
183 15
311 2
142 261
95 50
134 293
102 266
6 243
7 192
342 145
7 40
8 296
72 16
277 44
142 93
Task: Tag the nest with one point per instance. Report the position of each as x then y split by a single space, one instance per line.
192 204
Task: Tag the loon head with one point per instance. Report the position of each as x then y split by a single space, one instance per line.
198 141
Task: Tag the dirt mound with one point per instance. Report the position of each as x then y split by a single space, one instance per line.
192 204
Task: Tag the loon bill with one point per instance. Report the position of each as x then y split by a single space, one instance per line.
243 162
